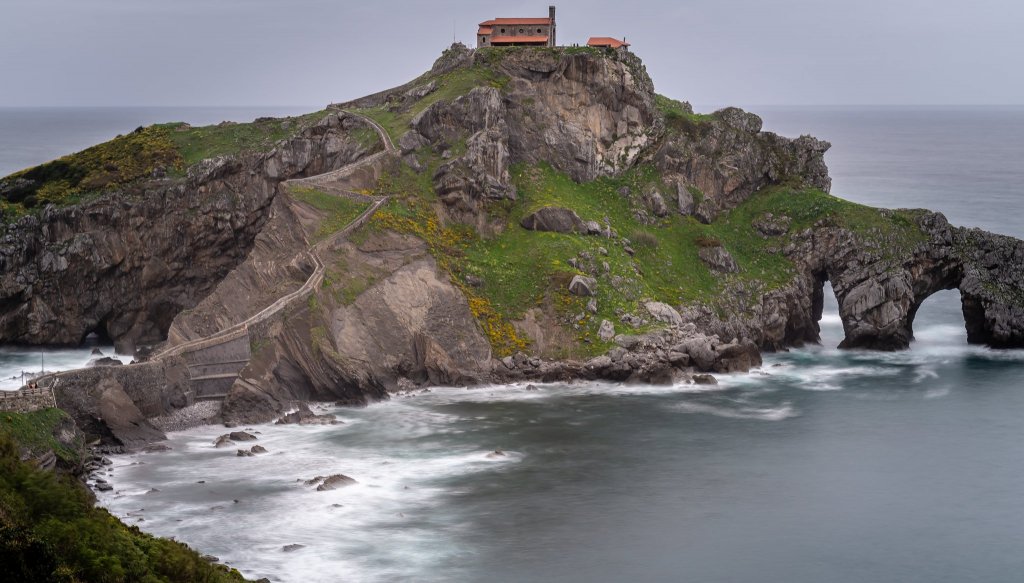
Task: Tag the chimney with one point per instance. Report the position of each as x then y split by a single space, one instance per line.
551 16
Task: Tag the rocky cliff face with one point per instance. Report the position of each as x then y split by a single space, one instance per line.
590 115
392 321
123 265
725 157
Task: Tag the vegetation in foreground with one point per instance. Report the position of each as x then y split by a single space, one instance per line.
50 530
37 432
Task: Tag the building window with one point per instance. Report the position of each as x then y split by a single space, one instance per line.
520 31
539 31
503 31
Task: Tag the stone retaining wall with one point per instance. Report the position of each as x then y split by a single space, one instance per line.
26 400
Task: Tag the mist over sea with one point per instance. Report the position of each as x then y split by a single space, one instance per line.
821 466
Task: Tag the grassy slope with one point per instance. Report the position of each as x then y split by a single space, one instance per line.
35 432
131 158
338 211
521 268
50 529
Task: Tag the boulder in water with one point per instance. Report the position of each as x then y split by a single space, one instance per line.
223 441
303 416
331 482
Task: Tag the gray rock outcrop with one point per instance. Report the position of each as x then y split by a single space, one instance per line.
555 220
718 259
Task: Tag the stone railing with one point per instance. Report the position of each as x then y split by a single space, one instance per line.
26 400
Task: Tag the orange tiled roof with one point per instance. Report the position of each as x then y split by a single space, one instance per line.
606 41
518 39
485 30
513 21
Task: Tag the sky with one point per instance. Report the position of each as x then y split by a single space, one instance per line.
314 52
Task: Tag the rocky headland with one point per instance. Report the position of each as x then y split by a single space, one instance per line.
538 215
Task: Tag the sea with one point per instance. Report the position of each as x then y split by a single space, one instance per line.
821 465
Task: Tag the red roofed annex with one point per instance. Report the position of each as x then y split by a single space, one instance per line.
606 42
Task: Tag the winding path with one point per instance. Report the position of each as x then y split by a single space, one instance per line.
326 182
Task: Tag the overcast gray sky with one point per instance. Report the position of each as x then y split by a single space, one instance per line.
312 52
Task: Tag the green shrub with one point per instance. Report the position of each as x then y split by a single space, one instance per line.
106 166
705 241
644 239
51 531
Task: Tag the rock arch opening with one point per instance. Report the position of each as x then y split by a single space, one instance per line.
939 319
881 313
826 307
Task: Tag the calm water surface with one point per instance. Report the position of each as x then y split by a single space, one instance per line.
821 466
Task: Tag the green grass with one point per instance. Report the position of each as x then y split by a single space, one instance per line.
677 112
524 269
112 164
346 285
199 143
146 152
338 211
449 86
50 530
35 431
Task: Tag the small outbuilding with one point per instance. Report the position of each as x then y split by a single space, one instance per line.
606 42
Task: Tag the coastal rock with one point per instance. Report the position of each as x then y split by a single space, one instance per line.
655 202
664 313
607 331
770 225
582 285
303 416
335 481
718 259
105 361
554 219
684 198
